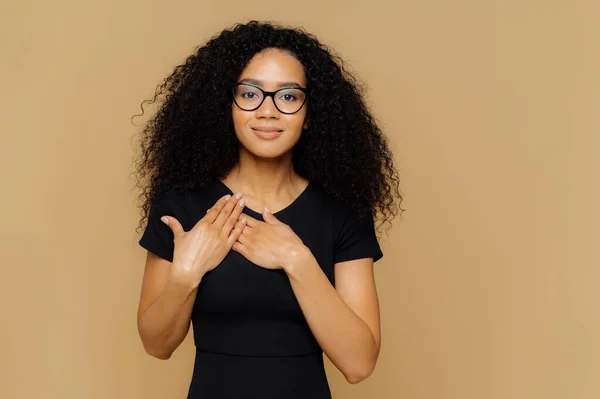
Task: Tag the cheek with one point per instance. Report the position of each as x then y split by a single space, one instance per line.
295 122
237 116
240 120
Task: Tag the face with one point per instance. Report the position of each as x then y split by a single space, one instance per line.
266 132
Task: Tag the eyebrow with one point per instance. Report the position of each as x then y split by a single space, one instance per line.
278 85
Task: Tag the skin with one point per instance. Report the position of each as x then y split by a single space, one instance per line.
344 319
264 173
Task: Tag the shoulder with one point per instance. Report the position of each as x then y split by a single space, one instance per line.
180 195
342 215
333 206
169 201
187 204
354 234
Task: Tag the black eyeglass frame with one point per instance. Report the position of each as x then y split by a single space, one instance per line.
269 94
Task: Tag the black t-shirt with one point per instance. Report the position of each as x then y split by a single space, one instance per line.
242 308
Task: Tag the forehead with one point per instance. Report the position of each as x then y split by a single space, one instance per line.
274 68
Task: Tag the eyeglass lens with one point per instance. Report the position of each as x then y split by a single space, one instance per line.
288 100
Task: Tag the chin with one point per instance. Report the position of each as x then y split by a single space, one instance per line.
267 153
267 148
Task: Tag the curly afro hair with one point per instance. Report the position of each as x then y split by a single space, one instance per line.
191 139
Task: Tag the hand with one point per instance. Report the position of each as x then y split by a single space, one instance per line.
201 249
271 244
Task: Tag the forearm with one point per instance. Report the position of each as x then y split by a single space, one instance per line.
345 338
166 322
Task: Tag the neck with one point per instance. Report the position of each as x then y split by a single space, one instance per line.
263 178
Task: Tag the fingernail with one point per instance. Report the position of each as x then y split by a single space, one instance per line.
227 197
238 195
165 220
267 209
242 202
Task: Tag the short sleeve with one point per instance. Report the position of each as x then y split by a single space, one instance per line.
158 237
356 238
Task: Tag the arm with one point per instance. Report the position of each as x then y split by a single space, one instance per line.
169 289
165 308
345 319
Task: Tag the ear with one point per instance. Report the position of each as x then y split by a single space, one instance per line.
306 123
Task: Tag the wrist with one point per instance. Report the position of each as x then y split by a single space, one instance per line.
184 275
297 258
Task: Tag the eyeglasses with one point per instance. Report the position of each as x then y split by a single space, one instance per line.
287 100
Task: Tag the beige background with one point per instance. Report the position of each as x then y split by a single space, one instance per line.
489 284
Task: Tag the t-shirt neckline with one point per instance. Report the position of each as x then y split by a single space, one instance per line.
294 203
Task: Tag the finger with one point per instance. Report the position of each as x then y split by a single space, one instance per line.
235 233
242 249
213 212
233 218
250 221
226 211
269 217
244 239
173 224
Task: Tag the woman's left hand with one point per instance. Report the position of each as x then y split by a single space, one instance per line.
271 244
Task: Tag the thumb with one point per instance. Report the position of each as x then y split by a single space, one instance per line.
268 216
173 224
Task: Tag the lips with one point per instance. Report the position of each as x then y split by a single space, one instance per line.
267 133
266 129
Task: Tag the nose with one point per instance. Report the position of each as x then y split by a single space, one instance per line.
267 109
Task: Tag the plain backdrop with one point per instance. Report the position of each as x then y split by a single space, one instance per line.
489 284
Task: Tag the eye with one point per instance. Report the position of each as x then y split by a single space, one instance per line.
288 97
250 93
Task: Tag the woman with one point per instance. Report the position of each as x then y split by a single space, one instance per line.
265 171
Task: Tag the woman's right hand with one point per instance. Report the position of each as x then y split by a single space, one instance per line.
201 249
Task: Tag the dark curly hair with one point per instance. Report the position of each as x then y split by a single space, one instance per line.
191 139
